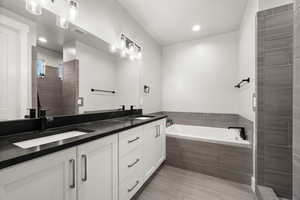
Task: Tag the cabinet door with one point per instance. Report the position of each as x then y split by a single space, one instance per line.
51 177
154 147
97 169
161 143
151 148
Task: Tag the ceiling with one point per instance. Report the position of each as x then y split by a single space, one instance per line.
171 21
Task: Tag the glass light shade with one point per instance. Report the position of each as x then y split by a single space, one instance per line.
139 55
131 48
34 7
73 12
62 22
132 57
123 44
123 53
113 48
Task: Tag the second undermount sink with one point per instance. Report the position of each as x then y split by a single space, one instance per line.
48 139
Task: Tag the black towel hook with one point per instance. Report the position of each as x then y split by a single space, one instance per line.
242 81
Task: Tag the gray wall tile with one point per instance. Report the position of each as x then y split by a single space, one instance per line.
296 105
275 98
224 161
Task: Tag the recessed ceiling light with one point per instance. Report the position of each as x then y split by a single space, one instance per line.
196 28
42 40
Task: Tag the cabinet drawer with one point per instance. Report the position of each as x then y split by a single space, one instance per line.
130 164
130 186
129 140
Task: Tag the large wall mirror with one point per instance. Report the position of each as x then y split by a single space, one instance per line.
66 71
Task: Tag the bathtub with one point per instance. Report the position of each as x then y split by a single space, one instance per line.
207 134
218 152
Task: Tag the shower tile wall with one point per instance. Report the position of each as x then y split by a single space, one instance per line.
70 87
49 90
274 94
296 104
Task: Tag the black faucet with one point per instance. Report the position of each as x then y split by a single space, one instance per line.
44 120
123 107
132 107
242 131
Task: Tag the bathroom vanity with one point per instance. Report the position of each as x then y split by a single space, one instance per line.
112 161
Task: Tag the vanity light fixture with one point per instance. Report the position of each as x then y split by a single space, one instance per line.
129 47
34 7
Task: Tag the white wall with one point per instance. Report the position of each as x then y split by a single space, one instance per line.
97 69
107 20
247 59
51 58
267 4
199 76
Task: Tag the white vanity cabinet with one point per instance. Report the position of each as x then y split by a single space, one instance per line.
86 172
110 168
50 177
130 162
97 171
141 151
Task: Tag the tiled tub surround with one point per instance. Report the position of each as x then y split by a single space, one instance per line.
274 95
224 161
296 104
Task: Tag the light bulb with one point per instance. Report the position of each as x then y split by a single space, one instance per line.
113 48
73 10
131 48
62 22
139 56
132 57
123 44
34 7
123 53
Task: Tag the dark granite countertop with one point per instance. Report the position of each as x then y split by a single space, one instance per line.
11 154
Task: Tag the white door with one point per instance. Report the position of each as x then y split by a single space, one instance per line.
9 73
98 170
51 177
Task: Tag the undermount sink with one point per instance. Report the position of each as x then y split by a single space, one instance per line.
48 139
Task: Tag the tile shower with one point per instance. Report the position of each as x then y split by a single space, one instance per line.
296 104
274 96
